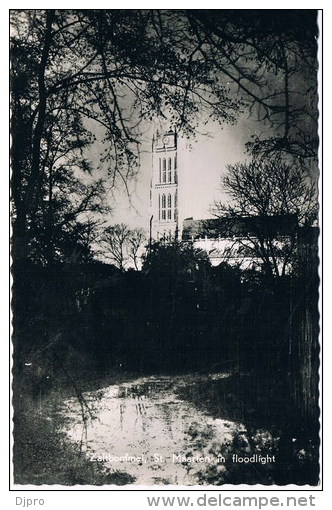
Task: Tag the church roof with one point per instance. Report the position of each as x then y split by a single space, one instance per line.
227 227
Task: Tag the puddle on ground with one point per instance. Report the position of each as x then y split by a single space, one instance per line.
142 428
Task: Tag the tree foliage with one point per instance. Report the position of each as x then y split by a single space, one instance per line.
280 198
136 241
74 70
266 57
175 259
122 244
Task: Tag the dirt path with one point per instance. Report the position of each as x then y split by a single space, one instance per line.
142 428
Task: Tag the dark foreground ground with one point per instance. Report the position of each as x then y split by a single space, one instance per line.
43 454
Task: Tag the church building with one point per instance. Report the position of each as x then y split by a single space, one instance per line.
169 180
221 238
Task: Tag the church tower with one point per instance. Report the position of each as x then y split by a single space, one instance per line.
164 187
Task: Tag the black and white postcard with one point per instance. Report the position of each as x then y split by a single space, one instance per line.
165 248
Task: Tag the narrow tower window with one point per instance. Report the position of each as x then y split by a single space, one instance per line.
159 169
176 205
169 170
169 207
175 171
164 170
163 207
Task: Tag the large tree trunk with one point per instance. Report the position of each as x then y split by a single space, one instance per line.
31 197
26 200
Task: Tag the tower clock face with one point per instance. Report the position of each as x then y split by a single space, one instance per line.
160 142
168 140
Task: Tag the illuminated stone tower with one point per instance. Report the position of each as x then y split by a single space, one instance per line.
164 187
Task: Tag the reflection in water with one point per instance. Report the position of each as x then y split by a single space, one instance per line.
144 429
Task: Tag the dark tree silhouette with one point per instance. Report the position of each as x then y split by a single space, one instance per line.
114 241
73 69
267 56
136 240
270 201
